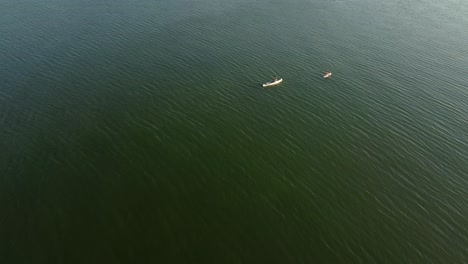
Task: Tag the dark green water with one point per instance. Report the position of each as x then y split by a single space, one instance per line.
138 131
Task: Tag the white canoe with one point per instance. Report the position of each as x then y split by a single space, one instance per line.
327 75
273 83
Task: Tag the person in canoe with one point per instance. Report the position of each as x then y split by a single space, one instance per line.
275 81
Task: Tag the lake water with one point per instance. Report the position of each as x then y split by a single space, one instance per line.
138 131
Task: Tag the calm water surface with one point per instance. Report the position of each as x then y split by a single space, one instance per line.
138 131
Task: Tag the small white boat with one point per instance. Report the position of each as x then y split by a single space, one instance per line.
327 74
273 83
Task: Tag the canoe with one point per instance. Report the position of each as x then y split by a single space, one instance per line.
327 75
268 84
